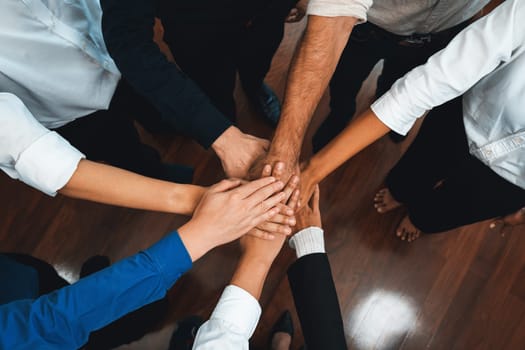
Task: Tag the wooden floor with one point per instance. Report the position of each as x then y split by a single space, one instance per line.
461 290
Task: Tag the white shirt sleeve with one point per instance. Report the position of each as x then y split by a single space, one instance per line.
232 322
471 55
336 8
31 153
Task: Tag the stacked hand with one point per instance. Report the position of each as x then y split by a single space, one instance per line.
228 210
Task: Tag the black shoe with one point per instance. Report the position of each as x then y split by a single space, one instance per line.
266 103
284 324
184 336
329 129
94 264
178 173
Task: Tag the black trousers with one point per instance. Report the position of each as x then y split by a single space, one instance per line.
212 41
442 185
110 136
368 44
125 330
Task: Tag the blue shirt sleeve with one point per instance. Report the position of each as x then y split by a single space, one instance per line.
65 318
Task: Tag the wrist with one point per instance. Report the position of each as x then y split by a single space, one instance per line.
312 171
185 198
220 146
195 239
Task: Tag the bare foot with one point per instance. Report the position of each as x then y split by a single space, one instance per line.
384 202
514 219
407 231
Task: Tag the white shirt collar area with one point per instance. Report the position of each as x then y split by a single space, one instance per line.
308 241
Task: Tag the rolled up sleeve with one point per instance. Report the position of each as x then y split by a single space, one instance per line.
336 8
31 153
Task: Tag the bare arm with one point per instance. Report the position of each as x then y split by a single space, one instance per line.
106 184
313 65
361 132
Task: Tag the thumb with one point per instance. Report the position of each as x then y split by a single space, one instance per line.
225 185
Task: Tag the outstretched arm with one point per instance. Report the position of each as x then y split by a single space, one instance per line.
106 184
237 313
64 319
447 74
312 66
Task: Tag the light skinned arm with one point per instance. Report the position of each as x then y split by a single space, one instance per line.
313 64
110 185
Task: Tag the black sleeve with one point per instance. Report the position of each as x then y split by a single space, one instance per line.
316 303
127 27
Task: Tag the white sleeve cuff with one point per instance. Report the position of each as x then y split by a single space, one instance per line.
48 163
339 8
308 241
392 114
238 309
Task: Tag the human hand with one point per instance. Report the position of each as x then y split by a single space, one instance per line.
308 184
310 215
238 151
283 222
298 12
283 168
228 210
513 219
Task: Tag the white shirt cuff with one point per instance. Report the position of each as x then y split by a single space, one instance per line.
48 163
395 116
238 309
308 241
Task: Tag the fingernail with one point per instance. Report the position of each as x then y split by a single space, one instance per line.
291 222
492 225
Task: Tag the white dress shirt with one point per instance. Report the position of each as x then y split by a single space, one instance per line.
486 63
54 68
237 313
402 17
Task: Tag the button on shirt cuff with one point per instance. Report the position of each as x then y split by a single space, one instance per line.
331 8
238 309
308 241
48 163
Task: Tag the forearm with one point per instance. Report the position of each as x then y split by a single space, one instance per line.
313 65
360 133
106 184
250 275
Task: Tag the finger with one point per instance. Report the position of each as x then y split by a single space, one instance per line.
261 234
265 216
274 228
264 193
314 202
290 187
252 187
293 202
225 185
283 219
267 170
278 170
285 210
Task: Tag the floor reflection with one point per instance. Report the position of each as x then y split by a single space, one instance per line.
380 320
